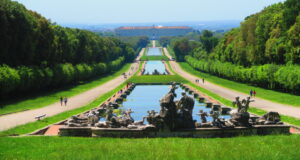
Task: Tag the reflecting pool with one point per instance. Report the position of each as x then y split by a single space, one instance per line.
154 52
146 97
150 66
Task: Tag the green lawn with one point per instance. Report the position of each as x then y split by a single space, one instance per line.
271 95
41 100
157 79
247 148
154 58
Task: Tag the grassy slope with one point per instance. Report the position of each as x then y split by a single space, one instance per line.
271 95
52 97
266 147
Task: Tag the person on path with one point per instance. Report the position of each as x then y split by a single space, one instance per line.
203 80
61 101
66 101
254 93
251 93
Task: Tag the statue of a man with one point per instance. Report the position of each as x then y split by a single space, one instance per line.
186 104
203 116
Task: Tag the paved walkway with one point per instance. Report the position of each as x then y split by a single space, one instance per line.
231 94
13 120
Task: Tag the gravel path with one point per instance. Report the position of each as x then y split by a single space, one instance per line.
13 120
231 94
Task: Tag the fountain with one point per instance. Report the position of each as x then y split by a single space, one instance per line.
175 119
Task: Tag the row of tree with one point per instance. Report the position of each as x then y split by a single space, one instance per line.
280 77
24 78
27 38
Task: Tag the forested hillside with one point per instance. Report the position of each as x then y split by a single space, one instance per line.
36 54
270 36
264 51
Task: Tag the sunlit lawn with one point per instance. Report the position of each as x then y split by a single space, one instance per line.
60 148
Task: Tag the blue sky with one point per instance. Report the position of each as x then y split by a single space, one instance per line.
141 11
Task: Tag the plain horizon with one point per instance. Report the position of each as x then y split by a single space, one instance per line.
136 11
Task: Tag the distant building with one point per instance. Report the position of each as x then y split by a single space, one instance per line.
153 32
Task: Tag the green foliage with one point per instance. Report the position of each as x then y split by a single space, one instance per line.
270 36
30 79
135 42
285 78
36 54
183 47
208 40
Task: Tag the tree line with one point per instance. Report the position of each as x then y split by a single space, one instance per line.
37 54
285 78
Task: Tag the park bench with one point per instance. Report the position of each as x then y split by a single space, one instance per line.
40 117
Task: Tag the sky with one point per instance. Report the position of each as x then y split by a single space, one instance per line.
142 11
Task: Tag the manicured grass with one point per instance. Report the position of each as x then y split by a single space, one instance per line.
154 58
271 95
31 127
41 100
256 147
157 79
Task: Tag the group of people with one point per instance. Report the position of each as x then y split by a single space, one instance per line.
63 101
252 93
198 81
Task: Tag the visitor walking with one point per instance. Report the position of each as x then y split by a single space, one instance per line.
61 101
203 80
66 101
251 93
254 93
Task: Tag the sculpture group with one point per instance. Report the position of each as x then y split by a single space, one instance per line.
173 116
